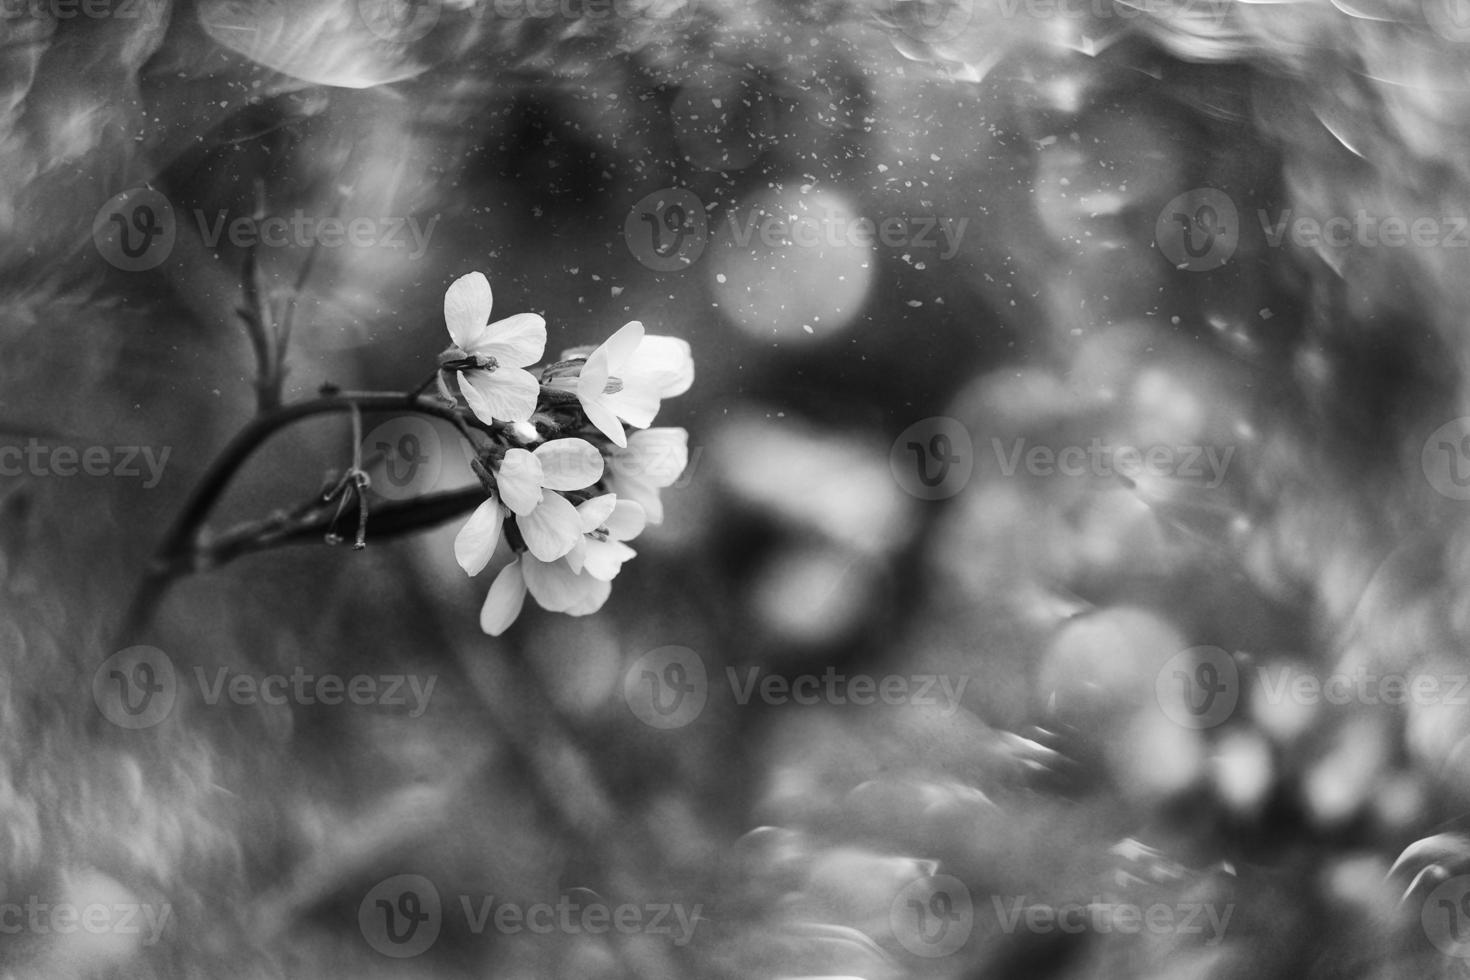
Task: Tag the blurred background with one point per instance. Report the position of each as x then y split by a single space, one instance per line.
925 251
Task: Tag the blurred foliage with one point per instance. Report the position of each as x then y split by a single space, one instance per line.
523 142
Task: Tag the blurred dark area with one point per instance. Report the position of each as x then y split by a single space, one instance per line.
1031 154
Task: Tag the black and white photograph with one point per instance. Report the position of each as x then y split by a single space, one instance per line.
734 489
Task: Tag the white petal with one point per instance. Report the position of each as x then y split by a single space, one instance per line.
503 602
475 543
637 402
519 481
605 559
552 529
600 414
627 520
515 341
637 490
594 597
595 512
666 361
467 305
578 555
506 395
654 456
569 464
556 587
621 346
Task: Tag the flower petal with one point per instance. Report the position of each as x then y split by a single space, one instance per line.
506 395
515 341
556 587
667 362
637 403
552 529
519 481
569 464
621 346
605 559
594 597
601 414
578 555
475 543
595 512
643 493
467 305
654 456
503 602
627 520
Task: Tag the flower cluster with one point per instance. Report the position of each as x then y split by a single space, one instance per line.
568 486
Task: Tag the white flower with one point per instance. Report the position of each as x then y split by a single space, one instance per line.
527 484
652 460
628 375
553 585
607 522
497 388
